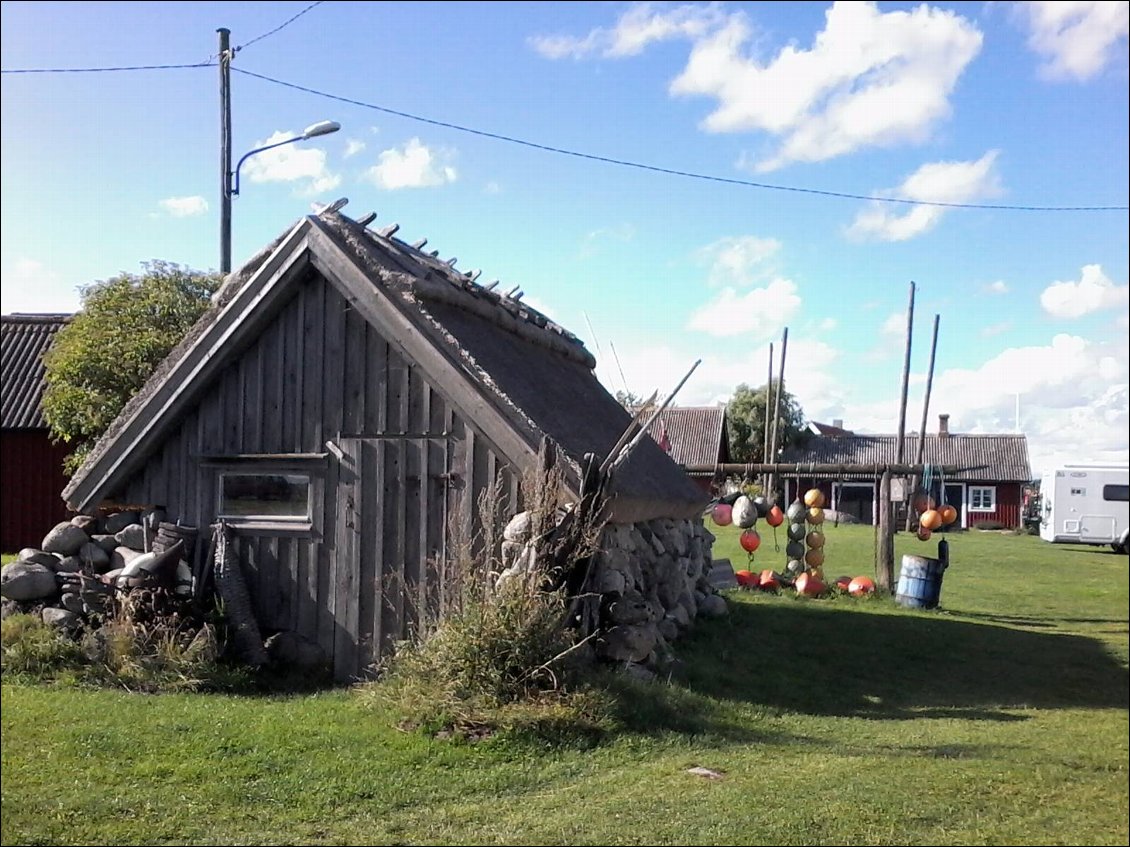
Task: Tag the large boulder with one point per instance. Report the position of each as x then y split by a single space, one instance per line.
39 557
65 538
122 556
115 523
94 555
27 581
106 542
629 643
61 619
132 536
86 523
293 650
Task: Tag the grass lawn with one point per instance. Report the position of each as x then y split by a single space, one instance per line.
999 718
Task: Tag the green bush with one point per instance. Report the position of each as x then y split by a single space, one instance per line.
989 525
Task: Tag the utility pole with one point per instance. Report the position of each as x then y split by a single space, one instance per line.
225 151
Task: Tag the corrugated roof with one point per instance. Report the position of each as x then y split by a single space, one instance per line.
23 341
697 434
1001 458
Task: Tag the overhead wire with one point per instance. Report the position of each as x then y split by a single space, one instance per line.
669 171
280 27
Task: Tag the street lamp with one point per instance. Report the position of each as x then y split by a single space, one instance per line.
231 182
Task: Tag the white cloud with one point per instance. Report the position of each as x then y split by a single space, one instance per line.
1094 291
590 245
29 285
412 166
291 163
760 312
1077 39
827 324
935 182
353 146
184 207
997 287
492 187
638 27
870 79
739 260
895 324
996 329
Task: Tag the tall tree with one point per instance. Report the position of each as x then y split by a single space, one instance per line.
125 327
747 414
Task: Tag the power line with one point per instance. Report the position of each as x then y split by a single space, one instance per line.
673 171
281 26
207 64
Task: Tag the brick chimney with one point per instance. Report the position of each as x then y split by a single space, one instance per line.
943 426
838 423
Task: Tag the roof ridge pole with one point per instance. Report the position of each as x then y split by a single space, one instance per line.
900 443
777 410
765 424
925 413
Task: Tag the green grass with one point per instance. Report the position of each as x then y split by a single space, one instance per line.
1000 718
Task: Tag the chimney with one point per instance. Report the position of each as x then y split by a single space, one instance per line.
838 423
943 426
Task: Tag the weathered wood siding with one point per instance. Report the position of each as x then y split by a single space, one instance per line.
385 517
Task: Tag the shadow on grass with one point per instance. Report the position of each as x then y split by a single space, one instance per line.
814 658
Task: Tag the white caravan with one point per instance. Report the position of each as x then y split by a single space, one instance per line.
1086 504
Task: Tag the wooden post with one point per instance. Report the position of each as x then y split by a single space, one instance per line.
777 404
885 566
765 424
925 414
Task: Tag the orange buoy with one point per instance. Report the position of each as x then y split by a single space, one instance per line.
861 585
769 580
808 585
922 502
746 579
750 540
775 517
722 514
814 497
931 519
949 514
843 582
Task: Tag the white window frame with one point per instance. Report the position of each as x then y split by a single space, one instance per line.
286 520
973 492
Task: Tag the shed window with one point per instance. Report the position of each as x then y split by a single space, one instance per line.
274 496
982 498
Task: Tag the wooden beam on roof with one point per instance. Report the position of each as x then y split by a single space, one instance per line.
824 468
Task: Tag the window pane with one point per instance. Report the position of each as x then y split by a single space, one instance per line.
1117 493
265 495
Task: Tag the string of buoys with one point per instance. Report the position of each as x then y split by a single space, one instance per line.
804 550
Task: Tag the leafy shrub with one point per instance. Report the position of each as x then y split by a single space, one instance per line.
989 525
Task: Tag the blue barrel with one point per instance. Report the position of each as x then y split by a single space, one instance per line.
920 582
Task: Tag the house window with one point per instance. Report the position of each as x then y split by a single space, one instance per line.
1116 493
982 498
279 496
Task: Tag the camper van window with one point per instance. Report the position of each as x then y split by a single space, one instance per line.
1116 493
271 496
982 498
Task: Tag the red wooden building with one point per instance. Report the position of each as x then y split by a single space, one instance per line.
31 467
694 435
988 490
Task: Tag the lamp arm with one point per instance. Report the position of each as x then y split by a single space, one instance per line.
250 153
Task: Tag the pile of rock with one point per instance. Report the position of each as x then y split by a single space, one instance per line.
653 577
81 563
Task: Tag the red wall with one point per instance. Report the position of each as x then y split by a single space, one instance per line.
1008 507
31 480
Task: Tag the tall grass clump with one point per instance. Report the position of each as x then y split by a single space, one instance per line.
147 641
496 654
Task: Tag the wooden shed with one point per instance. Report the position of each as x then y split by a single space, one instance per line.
342 406
31 465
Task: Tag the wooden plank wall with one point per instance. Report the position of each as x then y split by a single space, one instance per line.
319 372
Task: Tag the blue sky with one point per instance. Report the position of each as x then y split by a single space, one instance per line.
994 107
